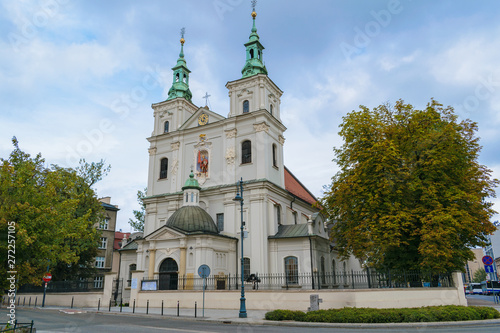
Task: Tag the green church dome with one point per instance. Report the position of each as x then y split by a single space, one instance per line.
192 219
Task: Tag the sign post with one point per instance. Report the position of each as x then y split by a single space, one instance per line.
46 278
204 272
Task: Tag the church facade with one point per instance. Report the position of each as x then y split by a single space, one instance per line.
196 159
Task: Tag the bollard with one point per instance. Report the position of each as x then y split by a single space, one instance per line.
121 304
177 308
24 300
147 307
18 301
35 301
72 299
195 309
162 307
109 306
133 309
29 304
98 304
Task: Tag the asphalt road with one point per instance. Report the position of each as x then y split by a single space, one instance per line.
55 321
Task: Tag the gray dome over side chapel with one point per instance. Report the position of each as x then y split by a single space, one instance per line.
192 219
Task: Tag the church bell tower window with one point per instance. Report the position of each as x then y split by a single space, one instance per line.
163 168
275 156
246 106
246 152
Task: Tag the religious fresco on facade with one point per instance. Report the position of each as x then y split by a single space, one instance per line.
202 162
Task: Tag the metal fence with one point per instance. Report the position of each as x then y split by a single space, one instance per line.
64 287
18 327
366 279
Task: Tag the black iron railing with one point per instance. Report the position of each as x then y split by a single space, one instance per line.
365 279
17 327
64 287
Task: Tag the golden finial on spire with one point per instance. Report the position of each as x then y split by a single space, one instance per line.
254 4
183 31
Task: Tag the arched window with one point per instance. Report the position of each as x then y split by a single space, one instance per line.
165 127
163 168
271 109
344 266
251 53
246 152
246 106
275 155
246 268
131 268
291 270
334 275
177 77
322 270
184 79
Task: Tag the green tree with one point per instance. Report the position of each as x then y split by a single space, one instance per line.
138 222
55 212
410 193
479 276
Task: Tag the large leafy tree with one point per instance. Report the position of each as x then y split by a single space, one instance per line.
55 212
410 193
479 276
139 215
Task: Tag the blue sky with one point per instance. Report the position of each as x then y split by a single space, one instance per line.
77 78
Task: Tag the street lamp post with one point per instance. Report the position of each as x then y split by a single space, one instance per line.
239 197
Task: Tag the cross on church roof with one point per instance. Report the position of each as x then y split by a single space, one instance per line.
254 4
206 98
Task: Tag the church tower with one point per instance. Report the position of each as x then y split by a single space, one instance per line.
255 105
164 151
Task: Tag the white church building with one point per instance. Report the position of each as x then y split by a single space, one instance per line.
196 159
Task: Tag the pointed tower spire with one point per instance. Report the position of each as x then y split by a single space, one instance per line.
254 64
180 84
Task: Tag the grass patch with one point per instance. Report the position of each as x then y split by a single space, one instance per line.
405 315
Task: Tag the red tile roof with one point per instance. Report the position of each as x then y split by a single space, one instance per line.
118 239
294 186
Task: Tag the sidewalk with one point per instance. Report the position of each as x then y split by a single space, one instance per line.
254 317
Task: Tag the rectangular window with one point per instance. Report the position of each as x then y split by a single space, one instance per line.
246 268
246 152
277 214
292 270
99 262
104 242
275 156
220 222
98 282
104 224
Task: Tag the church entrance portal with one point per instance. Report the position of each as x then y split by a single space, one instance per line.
168 274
